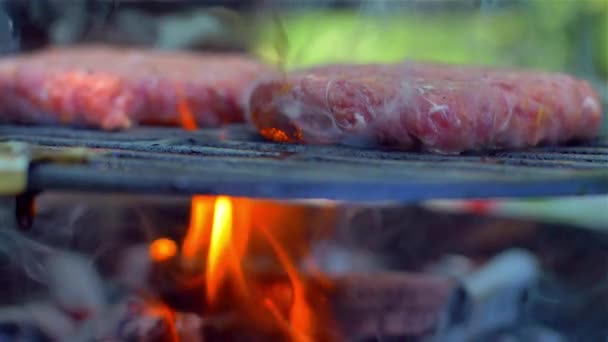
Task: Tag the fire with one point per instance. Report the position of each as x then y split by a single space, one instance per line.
220 247
223 237
197 237
186 117
300 315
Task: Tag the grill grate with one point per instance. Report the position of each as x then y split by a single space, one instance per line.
236 161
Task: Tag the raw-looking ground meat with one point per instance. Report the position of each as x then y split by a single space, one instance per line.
442 108
115 88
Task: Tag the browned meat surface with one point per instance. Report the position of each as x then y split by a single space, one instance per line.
444 108
115 88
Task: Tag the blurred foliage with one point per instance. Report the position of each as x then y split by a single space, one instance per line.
602 40
543 34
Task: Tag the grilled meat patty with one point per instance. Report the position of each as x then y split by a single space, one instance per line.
443 108
115 88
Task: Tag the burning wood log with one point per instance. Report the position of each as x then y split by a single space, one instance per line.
394 304
350 306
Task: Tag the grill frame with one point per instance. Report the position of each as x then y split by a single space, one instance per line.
235 161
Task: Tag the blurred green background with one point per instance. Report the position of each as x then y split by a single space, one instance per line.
545 34
553 35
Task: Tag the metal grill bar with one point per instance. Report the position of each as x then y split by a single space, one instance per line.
236 161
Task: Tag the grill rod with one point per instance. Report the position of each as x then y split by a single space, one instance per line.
236 161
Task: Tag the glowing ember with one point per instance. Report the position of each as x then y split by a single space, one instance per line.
281 135
162 249
167 315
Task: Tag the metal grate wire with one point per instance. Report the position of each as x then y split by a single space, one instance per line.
236 161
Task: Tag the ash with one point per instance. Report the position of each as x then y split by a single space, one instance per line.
82 273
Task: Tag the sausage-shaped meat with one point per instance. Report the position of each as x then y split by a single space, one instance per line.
116 88
441 108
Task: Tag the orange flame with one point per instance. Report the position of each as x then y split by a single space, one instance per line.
238 244
197 236
300 315
211 230
221 234
186 117
220 230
